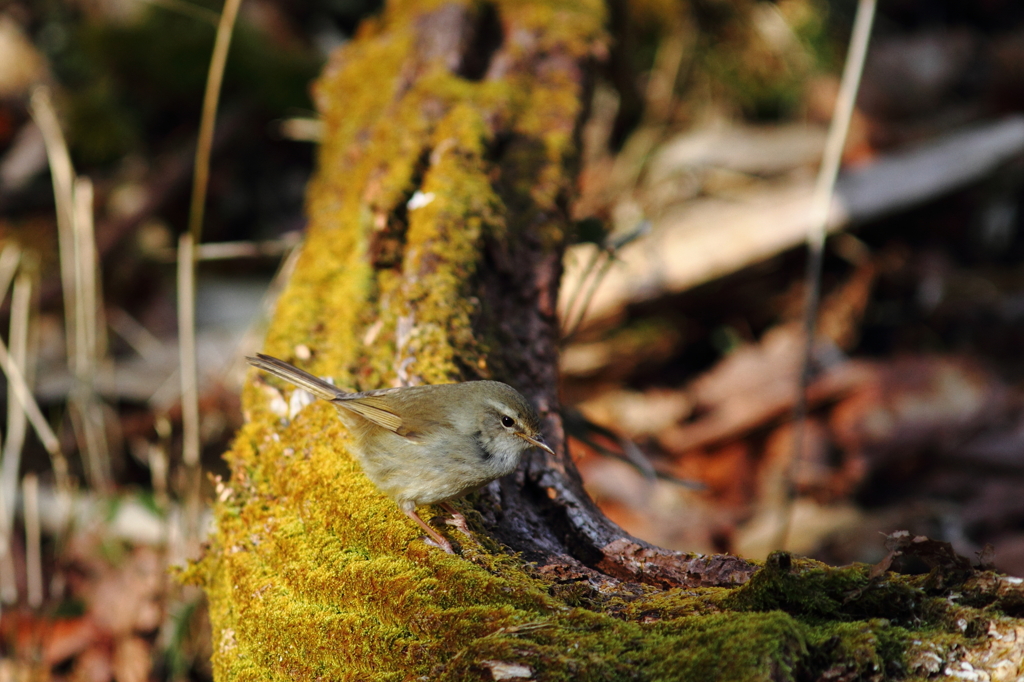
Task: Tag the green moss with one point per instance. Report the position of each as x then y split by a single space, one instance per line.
824 593
314 573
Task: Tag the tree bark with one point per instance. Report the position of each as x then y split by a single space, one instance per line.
438 218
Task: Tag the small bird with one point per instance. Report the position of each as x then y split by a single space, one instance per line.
429 444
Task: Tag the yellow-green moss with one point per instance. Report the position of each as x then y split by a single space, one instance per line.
312 573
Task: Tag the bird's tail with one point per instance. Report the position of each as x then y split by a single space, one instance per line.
294 375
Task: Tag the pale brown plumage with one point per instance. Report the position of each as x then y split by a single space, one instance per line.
428 444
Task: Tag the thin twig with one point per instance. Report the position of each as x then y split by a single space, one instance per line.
659 96
609 250
33 540
595 281
629 165
821 206
669 62
215 77
573 299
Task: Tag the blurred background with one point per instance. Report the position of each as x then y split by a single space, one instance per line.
681 301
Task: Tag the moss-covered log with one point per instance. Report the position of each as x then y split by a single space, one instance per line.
437 221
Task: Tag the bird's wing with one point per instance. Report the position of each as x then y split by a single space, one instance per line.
377 410
373 409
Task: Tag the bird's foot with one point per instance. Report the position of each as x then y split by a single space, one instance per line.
439 542
457 520
433 537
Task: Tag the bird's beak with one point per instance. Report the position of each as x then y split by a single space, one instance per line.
536 442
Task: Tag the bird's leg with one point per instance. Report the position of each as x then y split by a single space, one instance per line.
434 535
457 520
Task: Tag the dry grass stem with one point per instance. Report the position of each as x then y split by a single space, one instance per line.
84 269
17 424
156 457
74 198
253 336
270 248
232 250
10 259
87 276
821 206
840 126
187 346
302 129
86 409
658 105
187 264
189 384
168 394
225 29
135 335
23 394
88 420
8 575
33 540
62 174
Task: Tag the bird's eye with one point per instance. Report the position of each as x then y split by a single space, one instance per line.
508 422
